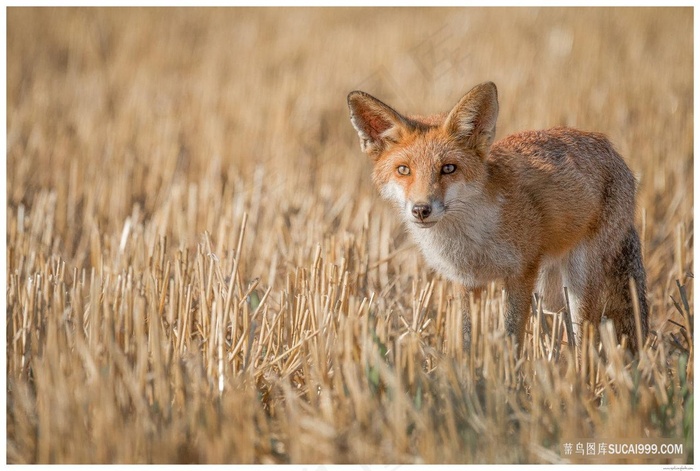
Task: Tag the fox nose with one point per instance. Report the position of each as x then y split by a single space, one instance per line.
421 211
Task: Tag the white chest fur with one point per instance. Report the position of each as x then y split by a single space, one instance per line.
465 245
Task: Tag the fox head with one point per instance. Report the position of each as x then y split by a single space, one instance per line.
428 166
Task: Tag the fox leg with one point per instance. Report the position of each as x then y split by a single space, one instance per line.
549 285
467 315
626 264
582 275
597 277
518 294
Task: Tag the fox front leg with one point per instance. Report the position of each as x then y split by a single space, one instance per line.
518 294
471 299
466 328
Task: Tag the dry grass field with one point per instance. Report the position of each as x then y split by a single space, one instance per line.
200 271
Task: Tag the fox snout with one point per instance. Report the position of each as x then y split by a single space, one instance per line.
421 211
426 214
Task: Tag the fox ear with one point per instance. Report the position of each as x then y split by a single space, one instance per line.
473 119
377 124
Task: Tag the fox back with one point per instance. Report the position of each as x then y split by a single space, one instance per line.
538 210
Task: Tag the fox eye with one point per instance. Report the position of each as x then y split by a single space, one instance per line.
449 168
403 170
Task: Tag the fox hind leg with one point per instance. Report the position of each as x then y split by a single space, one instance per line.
549 284
627 264
598 278
582 275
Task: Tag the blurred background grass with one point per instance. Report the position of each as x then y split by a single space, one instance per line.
128 125
138 99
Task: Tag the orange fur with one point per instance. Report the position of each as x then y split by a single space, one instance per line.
539 210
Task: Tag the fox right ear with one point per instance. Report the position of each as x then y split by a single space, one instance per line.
377 124
473 119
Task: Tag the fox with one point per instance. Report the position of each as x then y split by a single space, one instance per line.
537 211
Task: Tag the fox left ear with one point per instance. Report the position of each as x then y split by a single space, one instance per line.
473 119
377 124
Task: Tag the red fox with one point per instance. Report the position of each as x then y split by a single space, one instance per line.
538 210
